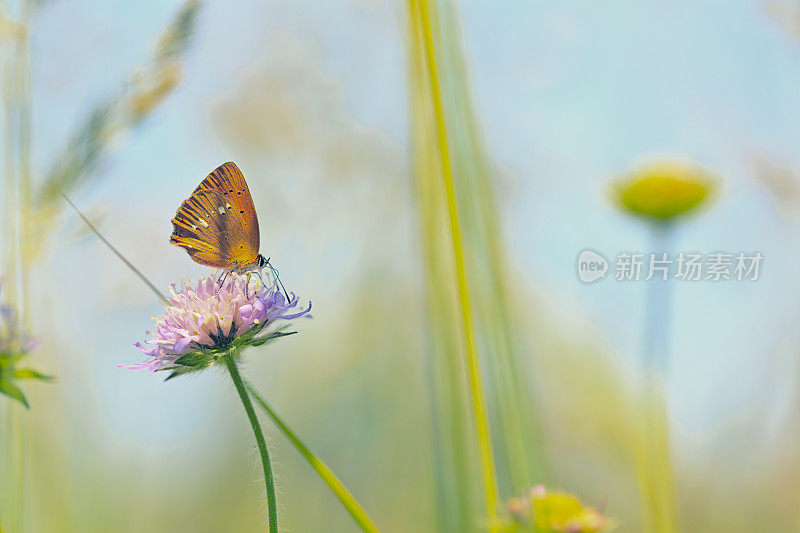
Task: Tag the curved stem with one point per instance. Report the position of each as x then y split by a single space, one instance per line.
353 507
272 504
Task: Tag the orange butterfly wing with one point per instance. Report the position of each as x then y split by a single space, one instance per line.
217 225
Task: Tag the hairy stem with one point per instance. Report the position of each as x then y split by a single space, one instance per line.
272 503
353 507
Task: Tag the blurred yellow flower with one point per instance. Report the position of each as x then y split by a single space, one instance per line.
542 511
663 190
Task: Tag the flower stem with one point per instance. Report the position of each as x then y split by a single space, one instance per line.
656 479
353 507
272 504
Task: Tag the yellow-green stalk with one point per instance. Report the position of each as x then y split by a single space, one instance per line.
326 474
454 469
420 13
518 453
16 191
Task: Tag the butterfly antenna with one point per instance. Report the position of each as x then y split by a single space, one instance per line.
278 279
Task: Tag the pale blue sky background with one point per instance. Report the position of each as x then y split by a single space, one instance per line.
570 93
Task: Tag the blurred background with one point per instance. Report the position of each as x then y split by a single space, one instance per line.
318 103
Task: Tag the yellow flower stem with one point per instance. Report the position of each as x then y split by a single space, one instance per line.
356 511
656 479
272 502
473 364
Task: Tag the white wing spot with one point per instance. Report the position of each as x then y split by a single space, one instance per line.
203 222
227 206
221 210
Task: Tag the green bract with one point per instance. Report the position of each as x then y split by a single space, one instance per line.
196 361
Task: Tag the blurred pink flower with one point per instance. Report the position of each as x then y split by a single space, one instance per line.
15 345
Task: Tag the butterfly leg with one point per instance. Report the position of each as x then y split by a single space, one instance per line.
247 285
221 283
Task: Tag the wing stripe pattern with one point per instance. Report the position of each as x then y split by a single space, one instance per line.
217 225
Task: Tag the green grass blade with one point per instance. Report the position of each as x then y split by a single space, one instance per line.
337 487
519 453
421 12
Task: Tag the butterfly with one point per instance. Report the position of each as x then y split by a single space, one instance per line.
218 225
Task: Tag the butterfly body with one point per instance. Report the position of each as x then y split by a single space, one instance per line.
217 224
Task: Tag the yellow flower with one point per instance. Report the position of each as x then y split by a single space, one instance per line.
557 511
540 510
664 190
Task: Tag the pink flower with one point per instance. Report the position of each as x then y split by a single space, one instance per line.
203 322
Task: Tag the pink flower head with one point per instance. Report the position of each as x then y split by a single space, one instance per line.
203 322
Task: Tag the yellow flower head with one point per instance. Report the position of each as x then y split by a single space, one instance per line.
558 511
663 190
540 510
